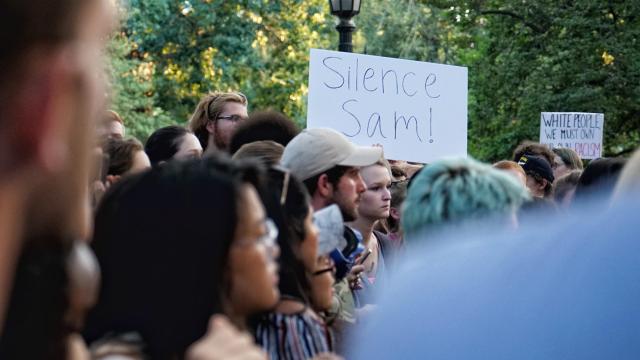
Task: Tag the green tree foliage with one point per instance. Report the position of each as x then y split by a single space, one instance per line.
524 57
260 48
132 88
579 55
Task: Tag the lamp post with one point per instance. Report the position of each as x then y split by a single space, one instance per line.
345 10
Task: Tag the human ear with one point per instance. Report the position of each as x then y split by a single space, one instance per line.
325 188
41 112
394 213
211 127
543 184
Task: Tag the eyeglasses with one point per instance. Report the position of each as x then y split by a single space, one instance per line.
285 182
330 267
285 188
232 118
320 272
269 237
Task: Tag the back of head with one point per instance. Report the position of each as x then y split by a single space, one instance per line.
536 149
267 152
264 125
629 180
162 240
456 190
208 109
164 143
566 184
569 157
599 177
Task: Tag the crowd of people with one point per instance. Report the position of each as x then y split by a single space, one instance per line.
238 236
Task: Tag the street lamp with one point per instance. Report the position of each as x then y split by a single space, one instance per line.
345 10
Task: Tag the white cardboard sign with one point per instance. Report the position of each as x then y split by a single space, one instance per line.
416 110
579 131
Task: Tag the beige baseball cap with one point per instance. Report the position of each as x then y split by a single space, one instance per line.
317 150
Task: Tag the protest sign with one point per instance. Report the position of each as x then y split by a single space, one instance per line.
416 110
581 132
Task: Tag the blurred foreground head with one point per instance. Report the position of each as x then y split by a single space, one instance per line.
452 191
558 288
599 178
51 94
629 180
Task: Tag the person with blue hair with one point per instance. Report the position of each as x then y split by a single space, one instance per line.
454 190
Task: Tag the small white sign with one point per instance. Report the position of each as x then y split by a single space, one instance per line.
416 110
579 131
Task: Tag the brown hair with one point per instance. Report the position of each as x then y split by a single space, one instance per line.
565 184
208 109
266 151
548 189
110 116
121 154
536 149
509 165
570 158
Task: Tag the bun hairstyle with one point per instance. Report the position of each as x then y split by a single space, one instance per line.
208 109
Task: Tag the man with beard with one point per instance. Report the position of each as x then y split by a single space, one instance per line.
216 117
329 165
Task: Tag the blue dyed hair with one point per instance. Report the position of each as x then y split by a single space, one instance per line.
455 190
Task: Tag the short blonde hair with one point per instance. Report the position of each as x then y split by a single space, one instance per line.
209 108
110 116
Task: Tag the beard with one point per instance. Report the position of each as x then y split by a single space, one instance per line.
218 140
349 210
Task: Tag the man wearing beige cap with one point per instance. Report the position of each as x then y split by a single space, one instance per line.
329 165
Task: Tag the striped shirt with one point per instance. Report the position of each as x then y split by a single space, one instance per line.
294 337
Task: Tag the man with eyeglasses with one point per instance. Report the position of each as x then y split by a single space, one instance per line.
216 117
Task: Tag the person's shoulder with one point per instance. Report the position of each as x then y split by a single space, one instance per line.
384 240
290 307
382 237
